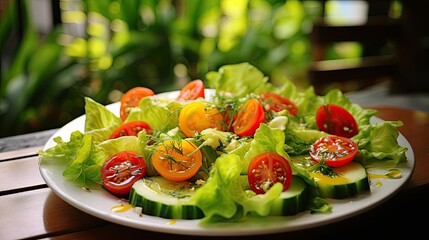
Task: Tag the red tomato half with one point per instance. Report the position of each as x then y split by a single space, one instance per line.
266 169
277 103
121 171
192 91
132 98
130 129
335 150
248 118
336 120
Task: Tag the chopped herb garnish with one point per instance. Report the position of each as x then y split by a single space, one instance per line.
323 168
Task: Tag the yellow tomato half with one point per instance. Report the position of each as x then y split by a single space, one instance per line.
197 116
172 162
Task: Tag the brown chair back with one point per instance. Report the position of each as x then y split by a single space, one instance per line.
399 35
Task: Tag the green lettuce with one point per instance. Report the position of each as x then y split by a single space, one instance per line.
100 122
378 144
306 100
113 146
266 139
240 79
80 156
222 197
62 151
162 115
85 168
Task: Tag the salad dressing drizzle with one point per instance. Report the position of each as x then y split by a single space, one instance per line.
392 173
172 222
121 208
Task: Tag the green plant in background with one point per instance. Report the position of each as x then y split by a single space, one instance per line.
103 48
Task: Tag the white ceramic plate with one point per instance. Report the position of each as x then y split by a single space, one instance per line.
99 203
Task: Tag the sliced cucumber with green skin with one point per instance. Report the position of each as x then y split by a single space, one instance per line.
293 200
160 197
350 180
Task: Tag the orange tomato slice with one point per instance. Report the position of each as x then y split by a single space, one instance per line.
248 118
172 162
197 116
192 91
132 98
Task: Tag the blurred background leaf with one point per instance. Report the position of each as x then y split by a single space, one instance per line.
103 48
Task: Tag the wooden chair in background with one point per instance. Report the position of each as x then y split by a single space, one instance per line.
404 67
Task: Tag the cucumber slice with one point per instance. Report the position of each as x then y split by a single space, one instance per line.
292 201
160 197
350 180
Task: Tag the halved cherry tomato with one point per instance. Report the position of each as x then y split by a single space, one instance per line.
266 169
172 162
132 98
277 103
248 118
121 171
336 120
192 91
197 116
336 151
130 129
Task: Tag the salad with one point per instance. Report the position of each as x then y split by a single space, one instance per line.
235 147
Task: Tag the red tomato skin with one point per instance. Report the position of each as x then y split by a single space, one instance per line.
119 180
336 120
130 129
191 91
132 98
277 103
248 118
269 168
337 151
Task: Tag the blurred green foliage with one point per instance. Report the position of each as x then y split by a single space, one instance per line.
103 48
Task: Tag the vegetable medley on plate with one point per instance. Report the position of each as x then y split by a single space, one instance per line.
231 147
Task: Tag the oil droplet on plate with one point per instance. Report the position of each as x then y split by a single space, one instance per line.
122 208
373 175
172 222
392 173
378 184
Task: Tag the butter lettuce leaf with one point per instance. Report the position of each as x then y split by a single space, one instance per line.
85 169
266 139
223 198
81 158
239 79
378 144
62 151
160 115
125 143
100 122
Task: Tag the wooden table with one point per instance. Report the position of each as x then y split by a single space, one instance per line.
30 209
